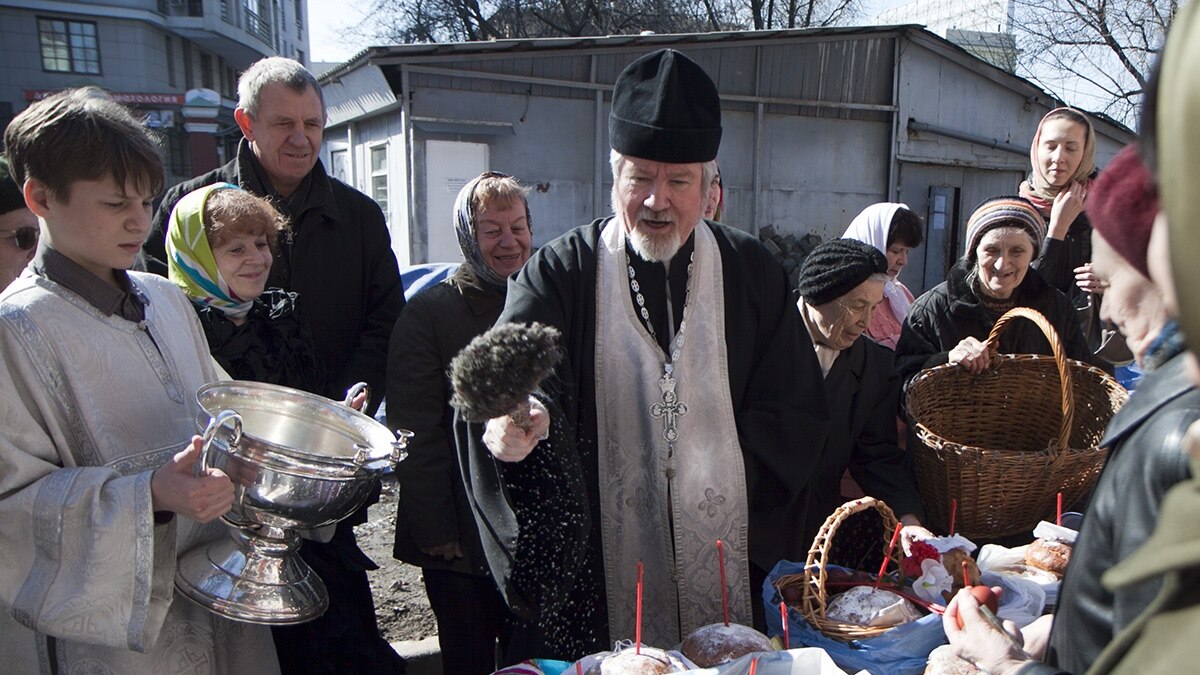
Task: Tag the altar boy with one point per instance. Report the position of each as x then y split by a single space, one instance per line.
99 494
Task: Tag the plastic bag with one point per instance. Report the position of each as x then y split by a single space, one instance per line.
802 661
1010 562
902 650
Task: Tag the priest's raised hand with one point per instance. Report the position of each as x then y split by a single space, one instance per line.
508 441
175 487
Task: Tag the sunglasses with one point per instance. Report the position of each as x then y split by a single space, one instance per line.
24 237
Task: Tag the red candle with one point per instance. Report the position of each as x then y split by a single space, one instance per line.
578 668
953 513
1058 511
753 665
887 556
637 649
724 588
787 643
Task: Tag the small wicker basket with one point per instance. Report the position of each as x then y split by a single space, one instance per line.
812 581
1002 443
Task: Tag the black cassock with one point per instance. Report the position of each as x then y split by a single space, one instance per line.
539 518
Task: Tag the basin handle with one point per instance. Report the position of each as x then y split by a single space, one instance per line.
355 390
399 451
210 433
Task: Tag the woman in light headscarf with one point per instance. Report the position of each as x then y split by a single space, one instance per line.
435 528
219 251
1063 160
894 229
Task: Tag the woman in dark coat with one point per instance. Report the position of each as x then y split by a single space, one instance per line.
219 251
435 528
841 285
951 321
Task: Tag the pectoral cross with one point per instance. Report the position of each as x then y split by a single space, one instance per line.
670 408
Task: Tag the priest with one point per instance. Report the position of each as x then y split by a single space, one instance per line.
689 407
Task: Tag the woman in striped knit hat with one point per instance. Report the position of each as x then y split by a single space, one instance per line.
950 322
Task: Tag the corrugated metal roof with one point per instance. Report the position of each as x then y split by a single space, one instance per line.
845 64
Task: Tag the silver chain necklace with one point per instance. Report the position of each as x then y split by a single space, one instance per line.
669 407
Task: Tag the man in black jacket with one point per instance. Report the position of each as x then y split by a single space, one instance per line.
338 258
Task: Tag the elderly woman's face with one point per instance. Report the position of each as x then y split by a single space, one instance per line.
1131 301
843 320
1004 255
504 237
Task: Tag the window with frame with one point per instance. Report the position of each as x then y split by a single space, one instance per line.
379 177
69 46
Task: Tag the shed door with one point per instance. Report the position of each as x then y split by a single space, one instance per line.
449 165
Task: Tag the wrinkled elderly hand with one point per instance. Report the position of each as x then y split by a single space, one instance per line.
983 640
912 532
508 442
1036 636
175 487
971 354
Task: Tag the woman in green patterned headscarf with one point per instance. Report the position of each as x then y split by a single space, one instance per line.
219 251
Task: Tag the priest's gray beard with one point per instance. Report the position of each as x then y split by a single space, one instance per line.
655 246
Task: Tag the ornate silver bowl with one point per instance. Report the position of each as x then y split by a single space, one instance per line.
298 462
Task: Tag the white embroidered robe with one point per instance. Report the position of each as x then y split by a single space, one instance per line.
89 406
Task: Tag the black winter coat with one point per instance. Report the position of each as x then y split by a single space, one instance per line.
1146 458
950 311
862 389
433 507
272 346
338 259
1060 257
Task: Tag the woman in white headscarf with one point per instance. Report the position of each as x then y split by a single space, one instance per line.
894 229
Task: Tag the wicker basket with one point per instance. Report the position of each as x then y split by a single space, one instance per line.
812 581
1004 442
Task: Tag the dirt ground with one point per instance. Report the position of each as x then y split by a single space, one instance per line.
400 601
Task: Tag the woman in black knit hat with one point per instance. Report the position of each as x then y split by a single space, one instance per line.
841 286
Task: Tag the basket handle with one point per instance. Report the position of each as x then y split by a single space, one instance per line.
814 565
1060 359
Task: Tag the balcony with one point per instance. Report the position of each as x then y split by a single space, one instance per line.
258 27
226 27
181 7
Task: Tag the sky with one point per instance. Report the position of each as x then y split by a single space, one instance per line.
330 39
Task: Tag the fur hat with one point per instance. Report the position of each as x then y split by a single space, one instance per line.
665 108
1122 205
836 267
1008 211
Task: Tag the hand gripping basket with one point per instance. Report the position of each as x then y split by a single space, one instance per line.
813 580
1004 442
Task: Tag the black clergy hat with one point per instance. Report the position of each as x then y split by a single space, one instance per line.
665 108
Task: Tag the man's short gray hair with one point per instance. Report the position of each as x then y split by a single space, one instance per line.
708 169
274 69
